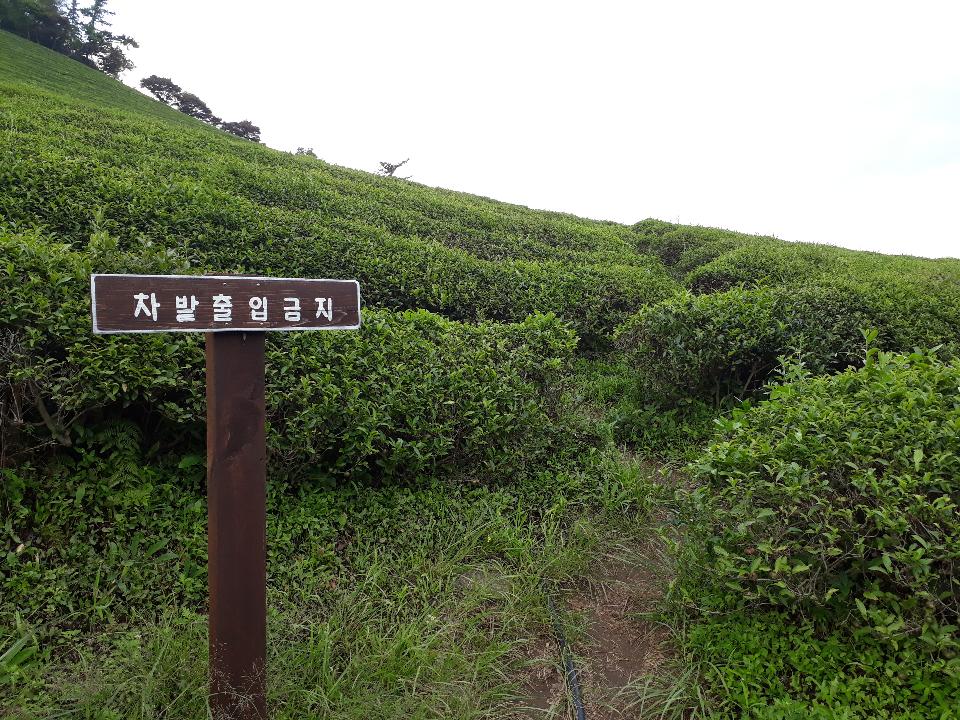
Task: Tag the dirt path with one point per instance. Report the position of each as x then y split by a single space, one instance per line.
624 656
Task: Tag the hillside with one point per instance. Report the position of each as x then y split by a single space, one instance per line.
148 173
533 398
240 205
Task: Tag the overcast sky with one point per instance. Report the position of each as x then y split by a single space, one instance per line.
834 122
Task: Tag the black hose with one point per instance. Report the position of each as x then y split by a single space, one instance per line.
573 675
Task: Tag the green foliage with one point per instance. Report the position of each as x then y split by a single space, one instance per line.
408 394
728 344
116 530
683 247
838 495
78 32
711 260
57 376
772 667
105 532
836 498
39 21
401 601
103 435
479 400
229 206
914 302
764 261
614 393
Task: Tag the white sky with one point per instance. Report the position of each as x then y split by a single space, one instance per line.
833 122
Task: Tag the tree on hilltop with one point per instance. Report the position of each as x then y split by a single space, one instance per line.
39 21
244 128
100 46
163 89
114 61
94 44
167 91
80 33
388 169
190 104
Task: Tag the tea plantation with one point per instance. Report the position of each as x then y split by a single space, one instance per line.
529 393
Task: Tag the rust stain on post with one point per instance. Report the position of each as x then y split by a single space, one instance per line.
236 536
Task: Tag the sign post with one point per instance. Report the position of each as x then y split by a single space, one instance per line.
234 312
236 524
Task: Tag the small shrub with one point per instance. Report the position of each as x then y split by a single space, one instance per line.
839 495
913 302
771 666
728 344
683 248
613 394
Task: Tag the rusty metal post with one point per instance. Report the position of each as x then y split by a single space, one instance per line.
237 520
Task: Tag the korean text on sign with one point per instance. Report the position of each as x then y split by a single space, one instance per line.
175 303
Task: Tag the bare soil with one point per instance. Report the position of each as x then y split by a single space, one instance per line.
619 652
544 690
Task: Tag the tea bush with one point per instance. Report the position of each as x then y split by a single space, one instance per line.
771 263
108 531
76 158
764 261
682 248
712 260
772 666
409 393
715 346
840 495
914 302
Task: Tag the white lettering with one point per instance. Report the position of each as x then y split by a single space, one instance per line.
258 308
141 299
325 308
222 308
186 308
291 309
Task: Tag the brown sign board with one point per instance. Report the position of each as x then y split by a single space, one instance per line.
220 303
228 307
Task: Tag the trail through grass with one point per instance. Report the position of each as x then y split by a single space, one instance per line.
428 602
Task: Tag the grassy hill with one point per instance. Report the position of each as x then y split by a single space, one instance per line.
530 393
239 205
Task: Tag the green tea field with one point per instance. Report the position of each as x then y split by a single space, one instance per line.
729 463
